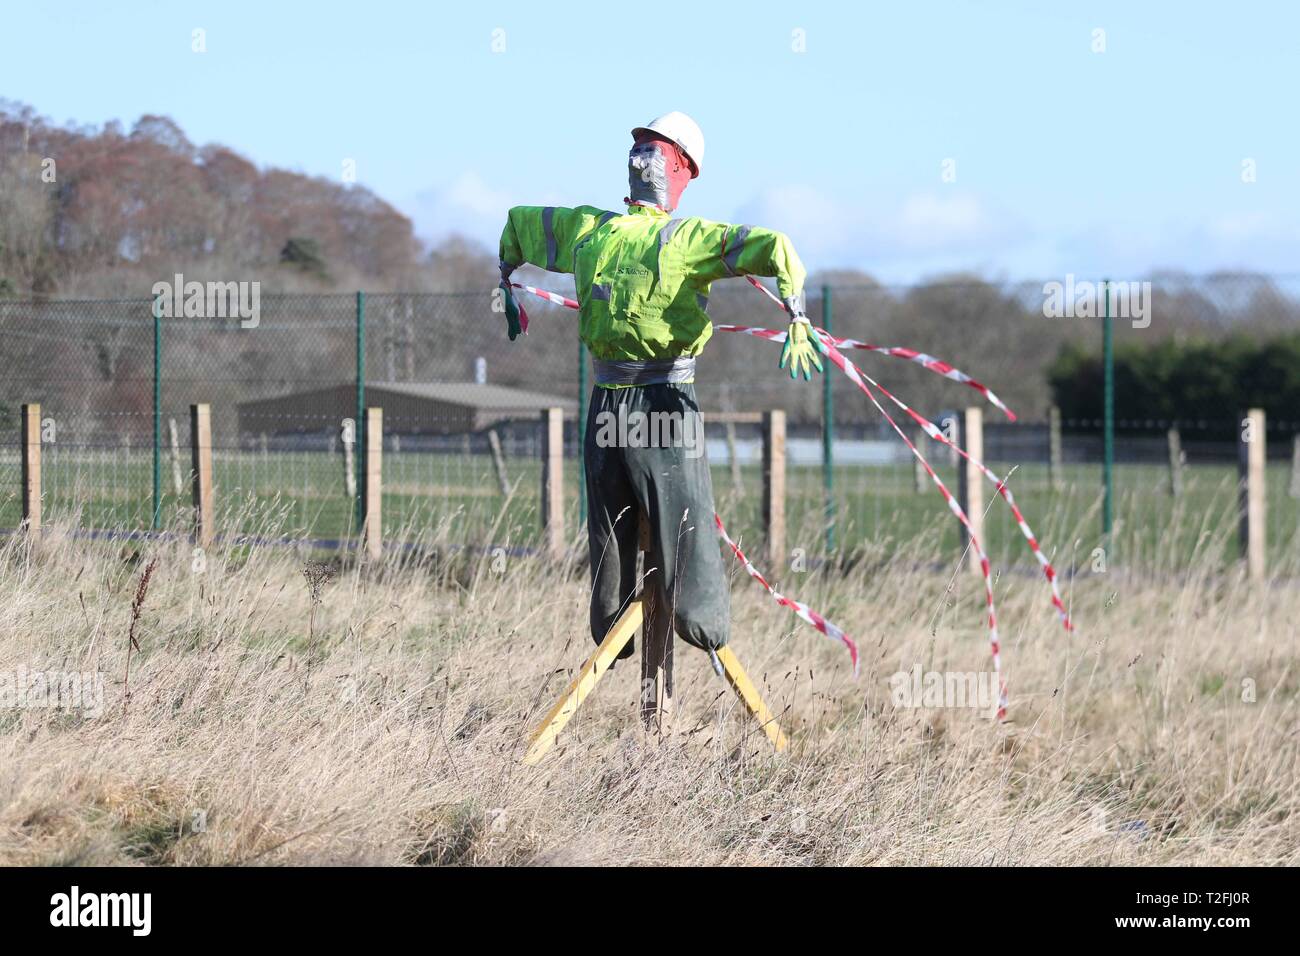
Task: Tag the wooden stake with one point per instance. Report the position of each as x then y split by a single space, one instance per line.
201 459
349 469
749 695
1174 439
1055 474
970 484
656 645
31 437
920 480
499 462
1251 496
592 671
733 459
373 476
178 481
774 488
553 480
1294 489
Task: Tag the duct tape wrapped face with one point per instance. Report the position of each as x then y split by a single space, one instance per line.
657 172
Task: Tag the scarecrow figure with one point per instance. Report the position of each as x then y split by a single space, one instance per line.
643 279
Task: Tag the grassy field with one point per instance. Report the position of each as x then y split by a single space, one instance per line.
388 726
457 498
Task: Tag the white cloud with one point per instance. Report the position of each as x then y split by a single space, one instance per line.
468 206
1260 241
923 232
928 222
930 232
470 193
1252 227
800 211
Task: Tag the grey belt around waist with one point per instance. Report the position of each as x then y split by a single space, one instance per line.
646 372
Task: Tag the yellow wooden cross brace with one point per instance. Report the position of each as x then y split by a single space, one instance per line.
585 682
656 672
749 695
592 671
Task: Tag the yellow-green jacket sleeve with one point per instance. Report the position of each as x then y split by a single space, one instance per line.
718 250
545 236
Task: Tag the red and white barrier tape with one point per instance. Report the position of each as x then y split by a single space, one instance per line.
855 376
552 297
933 364
859 378
938 366
936 433
799 608
943 368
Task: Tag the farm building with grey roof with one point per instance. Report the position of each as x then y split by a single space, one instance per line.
413 408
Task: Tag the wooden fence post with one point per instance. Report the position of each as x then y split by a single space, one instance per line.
919 477
553 480
1175 441
373 478
970 487
774 489
178 480
656 645
1055 475
201 457
31 438
951 426
1251 458
498 462
733 458
1295 467
349 435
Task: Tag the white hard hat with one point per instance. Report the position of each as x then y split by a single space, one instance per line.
683 131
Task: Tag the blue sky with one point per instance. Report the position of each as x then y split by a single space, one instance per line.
1066 159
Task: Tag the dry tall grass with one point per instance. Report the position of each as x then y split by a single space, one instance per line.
1127 743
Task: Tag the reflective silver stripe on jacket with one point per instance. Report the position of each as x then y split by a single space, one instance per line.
668 231
665 236
734 247
547 215
647 372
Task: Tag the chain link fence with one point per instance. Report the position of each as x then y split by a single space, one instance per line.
462 444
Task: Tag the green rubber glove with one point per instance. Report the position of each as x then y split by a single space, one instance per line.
513 328
800 351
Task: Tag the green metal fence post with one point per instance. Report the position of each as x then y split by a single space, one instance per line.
1108 418
358 427
582 430
828 429
156 520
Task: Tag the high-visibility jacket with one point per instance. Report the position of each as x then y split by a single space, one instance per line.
643 278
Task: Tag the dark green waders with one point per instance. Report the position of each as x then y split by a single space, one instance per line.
662 471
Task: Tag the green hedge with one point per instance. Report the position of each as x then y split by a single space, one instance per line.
1188 382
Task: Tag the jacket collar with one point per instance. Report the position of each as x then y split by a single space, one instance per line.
636 209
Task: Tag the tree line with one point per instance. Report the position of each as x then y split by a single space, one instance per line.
1199 382
105 211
